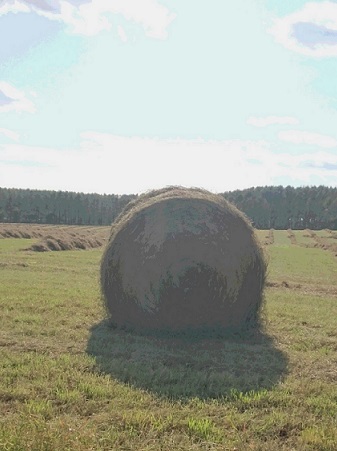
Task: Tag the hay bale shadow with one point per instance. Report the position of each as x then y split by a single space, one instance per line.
189 367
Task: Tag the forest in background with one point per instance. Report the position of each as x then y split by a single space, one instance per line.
267 207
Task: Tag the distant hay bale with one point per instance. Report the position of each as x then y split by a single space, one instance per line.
181 259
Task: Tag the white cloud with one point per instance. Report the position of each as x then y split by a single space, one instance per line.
43 7
9 134
13 6
153 163
121 33
116 164
303 137
14 99
311 31
108 163
271 120
90 18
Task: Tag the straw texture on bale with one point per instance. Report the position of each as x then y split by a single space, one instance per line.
182 259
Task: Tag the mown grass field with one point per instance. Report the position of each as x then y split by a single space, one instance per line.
70 382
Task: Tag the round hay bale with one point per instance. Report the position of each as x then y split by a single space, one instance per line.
181 259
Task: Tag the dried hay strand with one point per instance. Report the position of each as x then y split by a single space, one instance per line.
57 237
269 238
182 259
65 241
292 237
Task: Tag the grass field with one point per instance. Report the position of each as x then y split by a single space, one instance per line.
70 382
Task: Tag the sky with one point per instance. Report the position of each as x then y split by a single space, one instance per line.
123 96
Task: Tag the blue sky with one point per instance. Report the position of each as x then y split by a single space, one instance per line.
122 96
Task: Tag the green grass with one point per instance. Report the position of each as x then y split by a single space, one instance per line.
70 382
281 238
309 266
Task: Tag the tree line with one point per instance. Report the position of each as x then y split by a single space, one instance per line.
267 207
60 207
282 208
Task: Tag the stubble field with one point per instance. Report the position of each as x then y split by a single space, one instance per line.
70 382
